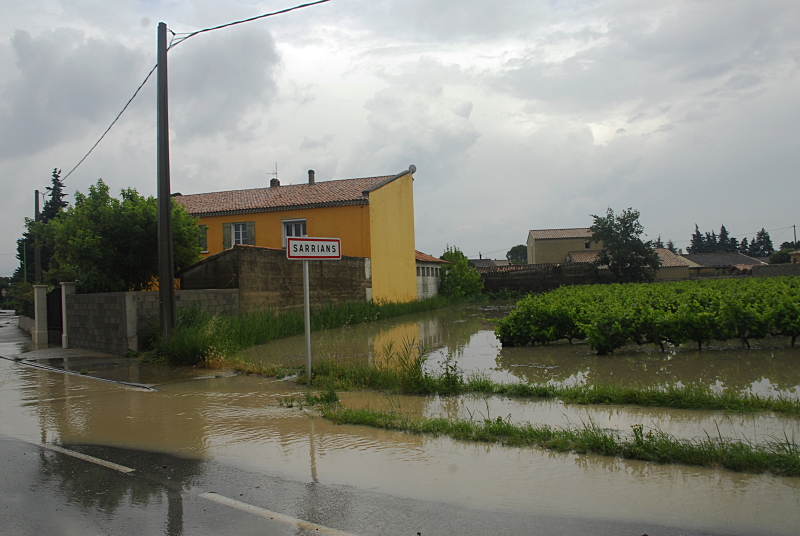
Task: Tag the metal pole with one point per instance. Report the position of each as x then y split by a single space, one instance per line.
307 314
166 273
24 261
37 251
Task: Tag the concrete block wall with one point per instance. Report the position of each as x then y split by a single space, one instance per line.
112 322
97 322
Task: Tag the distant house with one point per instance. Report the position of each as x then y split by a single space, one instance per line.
373 216
547 246
488 263
428 275
710 264
673 266
795 256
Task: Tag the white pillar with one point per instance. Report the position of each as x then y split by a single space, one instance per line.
67 288
39 334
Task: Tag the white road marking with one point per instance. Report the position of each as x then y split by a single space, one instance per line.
287 520
86 457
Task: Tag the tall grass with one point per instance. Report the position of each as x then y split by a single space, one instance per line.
780 457
203 337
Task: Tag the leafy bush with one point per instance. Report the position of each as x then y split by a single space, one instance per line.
612 316
458 277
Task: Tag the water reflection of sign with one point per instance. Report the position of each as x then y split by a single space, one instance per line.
314 248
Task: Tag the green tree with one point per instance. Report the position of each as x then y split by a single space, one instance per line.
629 259
761 246
110 245
56 203
518 254
458 277
698 244
781 257
671 246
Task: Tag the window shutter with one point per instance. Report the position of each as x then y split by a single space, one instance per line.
204 238
226 236
251 233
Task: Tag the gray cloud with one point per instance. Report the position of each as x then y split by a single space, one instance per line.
63 83
218 81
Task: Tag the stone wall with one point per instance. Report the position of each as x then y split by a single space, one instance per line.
528 278
776 270
267 279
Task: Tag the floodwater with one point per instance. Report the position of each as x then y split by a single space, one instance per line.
237 420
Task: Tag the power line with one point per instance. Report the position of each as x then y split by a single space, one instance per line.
174 42
114 121
186 36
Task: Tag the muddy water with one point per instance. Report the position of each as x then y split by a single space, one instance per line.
770 368
237 420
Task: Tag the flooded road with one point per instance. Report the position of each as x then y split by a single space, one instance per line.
236 422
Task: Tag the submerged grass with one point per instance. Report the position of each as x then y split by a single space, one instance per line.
402 371
780 457
201 338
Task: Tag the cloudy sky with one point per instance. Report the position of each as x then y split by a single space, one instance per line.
518 115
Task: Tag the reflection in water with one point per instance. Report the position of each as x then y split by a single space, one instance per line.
771 367
237 422
89 487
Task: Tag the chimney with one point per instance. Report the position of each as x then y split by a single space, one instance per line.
311 179
274 183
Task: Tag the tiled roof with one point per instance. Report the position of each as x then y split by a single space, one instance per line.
546 234
424 257
293 196
721 260
483 263
668 259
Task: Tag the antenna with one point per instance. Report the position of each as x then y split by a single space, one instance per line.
274 173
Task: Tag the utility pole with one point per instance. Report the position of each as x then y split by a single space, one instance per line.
166 271
37 251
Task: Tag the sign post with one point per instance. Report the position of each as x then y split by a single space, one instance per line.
306 249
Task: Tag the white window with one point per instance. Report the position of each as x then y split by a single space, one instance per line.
293 229
240 233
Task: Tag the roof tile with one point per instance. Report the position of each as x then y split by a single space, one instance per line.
547 234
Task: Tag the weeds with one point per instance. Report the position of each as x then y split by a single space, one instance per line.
779 457
201 338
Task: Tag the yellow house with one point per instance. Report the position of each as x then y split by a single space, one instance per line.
373 217
546 246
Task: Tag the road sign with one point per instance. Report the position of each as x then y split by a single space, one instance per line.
308 248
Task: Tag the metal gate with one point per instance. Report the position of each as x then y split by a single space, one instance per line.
55 322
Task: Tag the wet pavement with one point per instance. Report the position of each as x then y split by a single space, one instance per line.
198 437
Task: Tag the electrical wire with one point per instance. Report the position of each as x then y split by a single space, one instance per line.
174 41
186 36
114 121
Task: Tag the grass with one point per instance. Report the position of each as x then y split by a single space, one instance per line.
203 338
779 457
402 370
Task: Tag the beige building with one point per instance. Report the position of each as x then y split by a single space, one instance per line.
673 266
548 246
428 275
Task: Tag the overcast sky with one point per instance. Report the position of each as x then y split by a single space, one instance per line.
518 115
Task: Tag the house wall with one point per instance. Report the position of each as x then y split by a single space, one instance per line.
392 241
349 223
554 250
428 285
672 272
